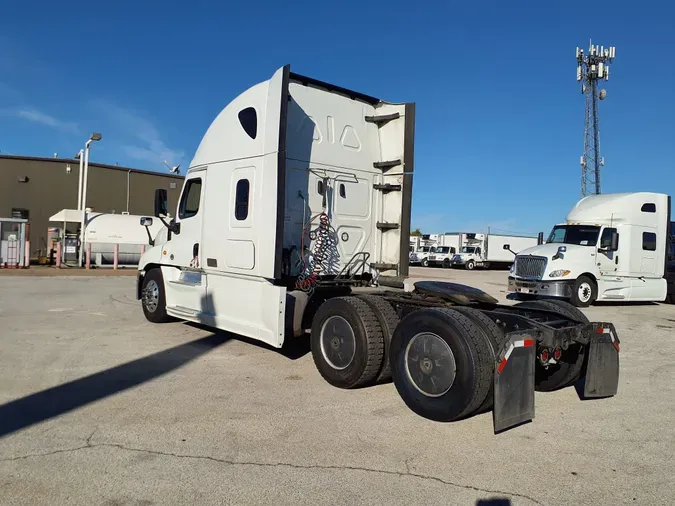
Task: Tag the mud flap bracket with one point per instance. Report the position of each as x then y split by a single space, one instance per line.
514 382
602 373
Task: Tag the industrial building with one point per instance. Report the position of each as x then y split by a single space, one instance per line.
36 188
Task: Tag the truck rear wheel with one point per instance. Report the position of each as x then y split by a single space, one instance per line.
388 318
568 370
441 364
496 338
347 342
153 298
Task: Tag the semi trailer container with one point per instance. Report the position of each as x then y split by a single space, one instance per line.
294 218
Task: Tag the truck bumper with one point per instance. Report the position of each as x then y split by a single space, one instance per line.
562 289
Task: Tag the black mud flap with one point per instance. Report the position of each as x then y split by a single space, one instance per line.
514 382
602 373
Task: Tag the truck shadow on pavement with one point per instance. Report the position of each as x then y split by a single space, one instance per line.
293 348
52 402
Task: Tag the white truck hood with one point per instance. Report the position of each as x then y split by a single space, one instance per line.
577 259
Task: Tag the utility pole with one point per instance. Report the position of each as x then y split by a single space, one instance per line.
591 68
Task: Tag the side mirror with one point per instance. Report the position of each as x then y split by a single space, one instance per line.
540 238
561 250
147 222
614 246
161 205
507 247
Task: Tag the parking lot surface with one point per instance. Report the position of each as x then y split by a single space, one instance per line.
97 406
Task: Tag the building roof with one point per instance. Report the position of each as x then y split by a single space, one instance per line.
91 164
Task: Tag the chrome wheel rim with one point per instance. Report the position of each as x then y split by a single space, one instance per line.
430 364
584 292
338 342
151 296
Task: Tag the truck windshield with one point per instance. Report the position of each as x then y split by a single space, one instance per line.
442 249
582 235
425 249
467 249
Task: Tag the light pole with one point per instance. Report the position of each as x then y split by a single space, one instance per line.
79 156
94 137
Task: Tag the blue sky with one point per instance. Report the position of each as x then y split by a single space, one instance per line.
499 112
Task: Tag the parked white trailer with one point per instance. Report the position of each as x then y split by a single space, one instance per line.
301 190
612 247
485 250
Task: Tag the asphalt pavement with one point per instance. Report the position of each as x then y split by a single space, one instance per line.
97 406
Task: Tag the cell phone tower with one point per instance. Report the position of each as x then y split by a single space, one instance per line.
591 68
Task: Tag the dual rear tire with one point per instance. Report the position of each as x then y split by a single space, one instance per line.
350 340
442 360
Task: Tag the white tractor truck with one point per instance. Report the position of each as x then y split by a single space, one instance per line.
295 213
486 250
611 248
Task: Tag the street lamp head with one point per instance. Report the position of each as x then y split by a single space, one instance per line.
77 155
95 136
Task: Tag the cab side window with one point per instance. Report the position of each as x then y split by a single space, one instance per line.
606 238
189 202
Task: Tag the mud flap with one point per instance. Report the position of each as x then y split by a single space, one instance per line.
602 373
514 382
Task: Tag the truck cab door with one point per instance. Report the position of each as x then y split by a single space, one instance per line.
186 284
606 259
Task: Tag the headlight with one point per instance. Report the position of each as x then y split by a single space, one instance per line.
512 270
560 273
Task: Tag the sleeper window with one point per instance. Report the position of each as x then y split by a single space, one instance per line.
648 208
189 204
241 200
343 191
648 241
249 121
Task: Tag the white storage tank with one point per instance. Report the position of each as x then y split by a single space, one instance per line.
103 231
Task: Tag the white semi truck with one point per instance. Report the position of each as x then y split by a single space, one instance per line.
612 247
422 247
485 250
295 207
446 246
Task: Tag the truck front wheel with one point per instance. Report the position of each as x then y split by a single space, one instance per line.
441 363
425 263
470 265
153 298
584 292
347 342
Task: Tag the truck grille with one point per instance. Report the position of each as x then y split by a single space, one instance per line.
528 266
